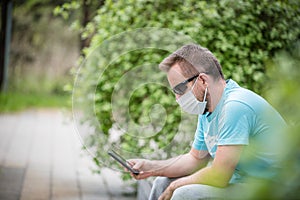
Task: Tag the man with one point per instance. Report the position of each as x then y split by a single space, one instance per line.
237 129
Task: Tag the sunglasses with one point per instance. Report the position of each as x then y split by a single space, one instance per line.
181 87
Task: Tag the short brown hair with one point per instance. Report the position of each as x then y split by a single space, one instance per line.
193 59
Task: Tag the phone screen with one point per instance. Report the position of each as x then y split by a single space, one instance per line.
122 161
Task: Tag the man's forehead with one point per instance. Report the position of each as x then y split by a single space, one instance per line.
176 72
175 75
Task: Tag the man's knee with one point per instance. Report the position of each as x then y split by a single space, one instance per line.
185 192
179 193
158 187
197 191
161 182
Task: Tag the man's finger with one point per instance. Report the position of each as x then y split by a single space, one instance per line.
138 165
130 163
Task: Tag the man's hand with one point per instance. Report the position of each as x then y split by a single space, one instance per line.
167 194
173 186
145 167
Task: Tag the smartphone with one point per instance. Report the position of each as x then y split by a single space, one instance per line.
122 161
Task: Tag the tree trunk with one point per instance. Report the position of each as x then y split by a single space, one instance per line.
86 17
5 35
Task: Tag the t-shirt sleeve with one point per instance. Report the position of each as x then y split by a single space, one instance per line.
199 142
235 124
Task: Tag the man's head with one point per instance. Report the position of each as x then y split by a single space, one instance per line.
195 68
193 59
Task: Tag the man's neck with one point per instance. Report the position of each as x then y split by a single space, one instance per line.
218 89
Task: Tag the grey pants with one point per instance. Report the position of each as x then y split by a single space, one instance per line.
194 191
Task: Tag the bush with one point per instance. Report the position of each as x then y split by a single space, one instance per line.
242 34
284 94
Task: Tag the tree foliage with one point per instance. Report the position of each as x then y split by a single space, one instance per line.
37 49
243 35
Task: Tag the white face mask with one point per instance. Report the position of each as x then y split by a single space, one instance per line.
190 104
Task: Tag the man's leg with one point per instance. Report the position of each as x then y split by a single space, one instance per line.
198 191
159 186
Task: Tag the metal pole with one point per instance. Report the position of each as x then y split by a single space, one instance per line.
5 37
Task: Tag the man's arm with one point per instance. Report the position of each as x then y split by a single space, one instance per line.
182 165
218 174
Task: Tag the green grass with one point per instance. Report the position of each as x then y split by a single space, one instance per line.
18 101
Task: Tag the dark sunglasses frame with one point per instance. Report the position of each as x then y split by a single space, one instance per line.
181 87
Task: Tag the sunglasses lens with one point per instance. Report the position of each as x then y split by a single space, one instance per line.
179 89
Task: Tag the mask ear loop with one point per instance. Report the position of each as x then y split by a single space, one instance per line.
205 94
194 83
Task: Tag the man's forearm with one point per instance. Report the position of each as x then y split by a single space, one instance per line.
205 176
182 165
218 174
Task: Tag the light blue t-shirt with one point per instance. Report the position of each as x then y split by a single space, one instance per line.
243 118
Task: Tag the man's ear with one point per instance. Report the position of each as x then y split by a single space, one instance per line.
203 78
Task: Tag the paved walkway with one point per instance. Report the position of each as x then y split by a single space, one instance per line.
41 158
